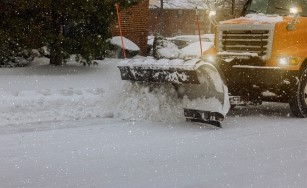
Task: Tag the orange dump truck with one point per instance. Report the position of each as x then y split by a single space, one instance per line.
261 56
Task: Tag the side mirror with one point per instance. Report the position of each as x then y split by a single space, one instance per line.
296 12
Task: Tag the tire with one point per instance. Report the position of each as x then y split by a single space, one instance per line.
298 96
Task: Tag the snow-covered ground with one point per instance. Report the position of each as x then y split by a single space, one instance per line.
71 127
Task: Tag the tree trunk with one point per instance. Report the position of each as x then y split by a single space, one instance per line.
56 57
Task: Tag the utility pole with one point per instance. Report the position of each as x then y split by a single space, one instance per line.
233 7
160 30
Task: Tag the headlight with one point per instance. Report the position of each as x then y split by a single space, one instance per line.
212 13
295 10
284 61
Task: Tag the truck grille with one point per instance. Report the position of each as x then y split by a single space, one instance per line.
240 41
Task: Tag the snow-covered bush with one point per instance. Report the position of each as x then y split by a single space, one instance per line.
183 47
17 59
44 51
163 48
193 50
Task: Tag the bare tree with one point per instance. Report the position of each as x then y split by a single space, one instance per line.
204 4
228 5
161 7
211 4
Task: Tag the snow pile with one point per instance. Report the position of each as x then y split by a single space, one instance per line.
209 36
167 49
41 93
51 105
150 40
129 45
193 50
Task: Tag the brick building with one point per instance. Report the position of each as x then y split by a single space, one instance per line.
134 21
177 22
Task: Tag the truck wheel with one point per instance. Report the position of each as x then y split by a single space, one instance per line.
298 97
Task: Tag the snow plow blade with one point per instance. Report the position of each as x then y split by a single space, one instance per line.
164 70
199 85
212 118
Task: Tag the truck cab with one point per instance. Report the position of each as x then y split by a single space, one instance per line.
265 51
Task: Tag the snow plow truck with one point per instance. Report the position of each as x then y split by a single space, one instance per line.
261 56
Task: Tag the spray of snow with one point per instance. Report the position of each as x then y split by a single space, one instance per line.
208 104
140 102
159 103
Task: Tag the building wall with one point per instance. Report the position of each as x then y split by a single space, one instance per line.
134 23
177 22
183 21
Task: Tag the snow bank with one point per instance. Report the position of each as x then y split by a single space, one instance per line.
41 93
51 105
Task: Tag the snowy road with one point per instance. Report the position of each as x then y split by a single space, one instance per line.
61 127
256 148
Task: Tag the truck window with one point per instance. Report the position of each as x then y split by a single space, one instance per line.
258 6
279 7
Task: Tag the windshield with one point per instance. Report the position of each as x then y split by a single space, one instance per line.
279 7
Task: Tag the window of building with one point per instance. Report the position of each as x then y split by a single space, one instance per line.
179 32
179 13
